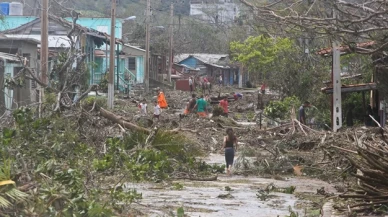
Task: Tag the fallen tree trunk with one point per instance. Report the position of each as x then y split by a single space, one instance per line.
126 124
121 120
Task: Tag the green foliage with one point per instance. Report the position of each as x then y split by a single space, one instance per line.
104 83
9 194
217 111
73 176
177 186
99 101
180 212
281 109
259 53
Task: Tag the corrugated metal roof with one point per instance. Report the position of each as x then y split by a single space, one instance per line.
134 47
206 58
30 40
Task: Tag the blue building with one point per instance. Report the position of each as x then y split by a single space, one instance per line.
92 36
99 24
212 66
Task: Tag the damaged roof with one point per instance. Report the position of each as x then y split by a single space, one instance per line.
67 24
216 60
351 88
345 49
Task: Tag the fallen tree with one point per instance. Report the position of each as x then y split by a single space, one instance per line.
372 191
122 121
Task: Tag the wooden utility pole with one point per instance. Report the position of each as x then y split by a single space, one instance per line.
112 56
43 50
147 60
170 61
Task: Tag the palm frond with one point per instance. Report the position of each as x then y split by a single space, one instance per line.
4 203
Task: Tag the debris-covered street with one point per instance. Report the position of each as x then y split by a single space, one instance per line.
237 108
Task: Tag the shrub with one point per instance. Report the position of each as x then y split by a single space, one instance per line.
217 111
281 109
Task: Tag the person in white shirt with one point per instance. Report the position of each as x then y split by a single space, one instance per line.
157 110
220 80
191 84
143 108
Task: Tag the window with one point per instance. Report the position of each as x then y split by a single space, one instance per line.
132 63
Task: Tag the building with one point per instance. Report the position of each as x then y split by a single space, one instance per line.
88 40
13 54
214 11
212 66
100 24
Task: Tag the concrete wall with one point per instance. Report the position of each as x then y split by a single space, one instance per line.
99 24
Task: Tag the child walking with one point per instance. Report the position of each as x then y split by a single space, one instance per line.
157 110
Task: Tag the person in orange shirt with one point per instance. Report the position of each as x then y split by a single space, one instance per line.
162 100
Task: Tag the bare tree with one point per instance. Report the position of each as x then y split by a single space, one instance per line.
348 21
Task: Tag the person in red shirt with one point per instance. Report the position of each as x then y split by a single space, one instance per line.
263 88
224 105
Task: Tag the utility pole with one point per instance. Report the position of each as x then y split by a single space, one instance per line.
336 82
43 50
240 76
170 61
147 60
112 56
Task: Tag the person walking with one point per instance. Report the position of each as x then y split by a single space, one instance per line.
143 108
220 80
162 100
189 106
230 147
157 110
224 104
201 107
191 84
302 112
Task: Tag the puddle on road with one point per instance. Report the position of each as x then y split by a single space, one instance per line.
201 198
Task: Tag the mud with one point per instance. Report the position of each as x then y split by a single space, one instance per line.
228 196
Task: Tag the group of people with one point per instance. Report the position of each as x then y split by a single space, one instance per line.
159 104
204 83
200 107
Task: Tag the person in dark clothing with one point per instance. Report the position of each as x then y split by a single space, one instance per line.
349 115
230 147
189 107
302 112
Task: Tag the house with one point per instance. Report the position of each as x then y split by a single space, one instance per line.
13 53
214 11
377 100
183 70
211 66
134 61
100 24
86 39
